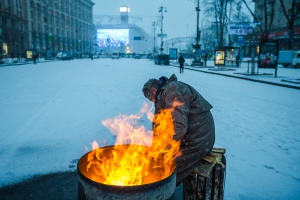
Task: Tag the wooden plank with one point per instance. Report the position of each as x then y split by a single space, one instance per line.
207 180
219 150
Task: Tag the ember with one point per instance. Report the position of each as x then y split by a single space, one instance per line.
134 160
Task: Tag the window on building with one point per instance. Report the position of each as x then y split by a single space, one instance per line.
9 8
4 21
56 4
8 22
13 23
5 49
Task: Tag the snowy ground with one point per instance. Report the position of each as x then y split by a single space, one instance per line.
51 112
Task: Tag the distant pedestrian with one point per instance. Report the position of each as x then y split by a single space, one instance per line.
237 60
34 57
181 61
205 59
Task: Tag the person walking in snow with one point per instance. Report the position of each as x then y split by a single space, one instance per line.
181 61
237 60
193 122
205 59
34 57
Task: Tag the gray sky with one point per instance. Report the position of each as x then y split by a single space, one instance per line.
179 20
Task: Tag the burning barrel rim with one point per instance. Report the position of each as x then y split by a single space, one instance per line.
134 187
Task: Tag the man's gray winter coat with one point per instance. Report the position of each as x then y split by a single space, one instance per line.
193 123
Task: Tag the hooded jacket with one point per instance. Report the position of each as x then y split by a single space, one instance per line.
193 123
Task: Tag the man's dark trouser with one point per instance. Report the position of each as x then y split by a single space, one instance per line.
181 68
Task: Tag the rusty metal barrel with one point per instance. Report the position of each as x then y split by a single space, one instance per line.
163 189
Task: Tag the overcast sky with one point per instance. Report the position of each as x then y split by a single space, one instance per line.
179 20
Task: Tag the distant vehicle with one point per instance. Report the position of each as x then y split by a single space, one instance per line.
95 56
67 56
102 55
59 55
115 55
137 56
162 59
289 58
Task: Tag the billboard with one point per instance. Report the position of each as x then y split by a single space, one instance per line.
220 57
112 39
241 29
268 55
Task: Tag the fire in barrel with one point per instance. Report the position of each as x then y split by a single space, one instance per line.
141 164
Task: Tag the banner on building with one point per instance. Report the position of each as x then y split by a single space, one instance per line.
241 29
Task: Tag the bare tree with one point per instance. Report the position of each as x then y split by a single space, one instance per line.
234 15
268 16
220 13
228 17
239 16
224 12
217 9
294 11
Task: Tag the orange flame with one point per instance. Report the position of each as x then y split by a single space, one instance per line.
148 156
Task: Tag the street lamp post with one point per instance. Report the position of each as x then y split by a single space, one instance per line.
198 29
197 46
161 11
154 38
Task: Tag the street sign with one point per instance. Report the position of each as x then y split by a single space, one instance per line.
162 35
137 38
241 40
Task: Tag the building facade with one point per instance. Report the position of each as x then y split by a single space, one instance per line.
280 28
48 26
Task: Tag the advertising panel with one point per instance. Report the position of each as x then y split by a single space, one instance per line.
30 53
220 57
173 53
268 55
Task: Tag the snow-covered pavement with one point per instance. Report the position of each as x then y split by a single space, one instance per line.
51 112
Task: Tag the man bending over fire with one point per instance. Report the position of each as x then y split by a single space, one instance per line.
193 121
